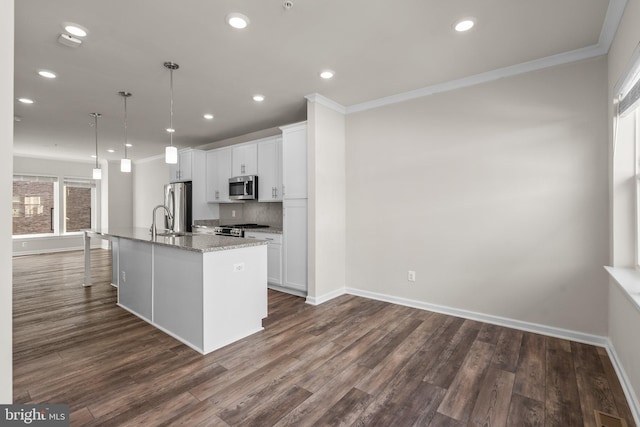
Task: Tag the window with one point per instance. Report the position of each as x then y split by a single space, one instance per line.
34 204
39 208
79 199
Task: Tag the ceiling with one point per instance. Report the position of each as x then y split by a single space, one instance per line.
376 48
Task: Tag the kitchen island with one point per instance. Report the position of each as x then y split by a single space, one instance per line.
206 291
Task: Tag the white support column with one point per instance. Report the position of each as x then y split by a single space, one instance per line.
87 259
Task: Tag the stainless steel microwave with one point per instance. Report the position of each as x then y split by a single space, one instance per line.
243 187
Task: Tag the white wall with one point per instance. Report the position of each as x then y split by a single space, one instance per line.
327 200
496 195
6 191
624 317
149 178
120 196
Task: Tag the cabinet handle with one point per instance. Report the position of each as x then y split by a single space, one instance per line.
268 238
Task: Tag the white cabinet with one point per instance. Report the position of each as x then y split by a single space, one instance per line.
218 174
245 160
183 170
274 255
294 161
270 170
294 221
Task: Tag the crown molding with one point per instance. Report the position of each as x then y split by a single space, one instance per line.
612 19
329 103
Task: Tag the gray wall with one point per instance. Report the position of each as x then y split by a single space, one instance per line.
120 196
6 139
624 316
149 178
496 195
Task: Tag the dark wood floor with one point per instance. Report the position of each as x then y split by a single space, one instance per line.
350 361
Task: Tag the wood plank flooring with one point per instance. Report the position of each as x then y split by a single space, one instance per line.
350 361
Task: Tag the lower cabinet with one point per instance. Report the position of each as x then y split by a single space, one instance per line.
274 255
294 221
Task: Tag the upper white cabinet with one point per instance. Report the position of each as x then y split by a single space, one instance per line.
294 161
218 174
270 169
183 170
245 160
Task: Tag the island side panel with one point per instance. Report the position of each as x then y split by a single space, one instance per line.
235 294
177 293
115 261
135 281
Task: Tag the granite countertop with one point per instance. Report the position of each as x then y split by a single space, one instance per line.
191 242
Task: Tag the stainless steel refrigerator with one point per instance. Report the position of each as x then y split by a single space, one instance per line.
177 197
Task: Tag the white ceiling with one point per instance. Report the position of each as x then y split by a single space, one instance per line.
377 48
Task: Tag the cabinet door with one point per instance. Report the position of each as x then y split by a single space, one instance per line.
174 172
294 162
245 160
224 173
270 170
274 264
185 161
294 221
212 176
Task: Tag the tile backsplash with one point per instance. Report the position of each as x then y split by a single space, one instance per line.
252 212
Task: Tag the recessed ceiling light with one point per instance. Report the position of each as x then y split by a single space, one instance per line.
128 145
47 74
75 30
93 156
258 98
110 150
208 116
237 20
464 25
327 74
26 100
170 130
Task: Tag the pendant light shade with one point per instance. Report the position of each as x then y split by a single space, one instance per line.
125 164
171 155
97 172
171 152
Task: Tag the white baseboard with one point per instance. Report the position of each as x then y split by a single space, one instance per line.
597 340
625 382
287 290
326 297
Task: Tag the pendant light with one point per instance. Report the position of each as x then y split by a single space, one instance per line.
171 152
97 172
125 164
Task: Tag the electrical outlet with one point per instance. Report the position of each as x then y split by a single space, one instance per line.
233 213
124 276
411 276
238 267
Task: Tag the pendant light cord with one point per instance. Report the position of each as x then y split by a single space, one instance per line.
125 126
95 121
171 109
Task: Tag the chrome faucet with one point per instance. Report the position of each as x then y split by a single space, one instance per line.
154 231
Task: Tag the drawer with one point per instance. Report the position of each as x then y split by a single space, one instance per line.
270 237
